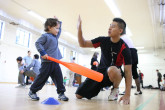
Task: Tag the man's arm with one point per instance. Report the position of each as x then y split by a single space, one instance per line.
128 81
142 76
81 40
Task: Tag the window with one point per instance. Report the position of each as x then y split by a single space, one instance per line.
74 54
62 50
1 29
23 38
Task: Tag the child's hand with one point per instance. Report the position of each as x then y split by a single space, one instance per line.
79 23
55 17
45 56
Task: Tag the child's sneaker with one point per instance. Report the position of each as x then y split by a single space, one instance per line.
33 96
63 97
138 92
114 94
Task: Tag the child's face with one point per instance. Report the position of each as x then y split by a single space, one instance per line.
19 62
54 30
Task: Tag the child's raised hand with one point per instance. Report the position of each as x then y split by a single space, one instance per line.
55 17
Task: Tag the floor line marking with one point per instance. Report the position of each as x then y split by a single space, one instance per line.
141 106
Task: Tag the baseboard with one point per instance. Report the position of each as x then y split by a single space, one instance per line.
8 83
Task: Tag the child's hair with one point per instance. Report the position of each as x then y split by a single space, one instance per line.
19 59
50 22
36 56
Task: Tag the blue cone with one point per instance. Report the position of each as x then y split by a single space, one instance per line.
51 101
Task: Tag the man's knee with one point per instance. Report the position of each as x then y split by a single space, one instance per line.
113 72
79 96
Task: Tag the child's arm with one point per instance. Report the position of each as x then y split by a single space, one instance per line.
59 33
31 65
39 45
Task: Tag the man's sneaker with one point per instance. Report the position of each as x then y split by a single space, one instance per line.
114 94
21 86
63 97
123 93
138 92
33 96
102 89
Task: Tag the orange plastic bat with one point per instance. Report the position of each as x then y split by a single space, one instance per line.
94 75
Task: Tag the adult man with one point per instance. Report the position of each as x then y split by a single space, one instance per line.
134 57
141 77
28 61
71 74
159 78
114 52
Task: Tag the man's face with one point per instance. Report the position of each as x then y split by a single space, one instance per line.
29 53
114 30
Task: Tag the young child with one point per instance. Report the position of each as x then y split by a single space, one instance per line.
65 79
47 45
33 69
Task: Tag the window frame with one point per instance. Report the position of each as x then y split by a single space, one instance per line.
2 25
26 34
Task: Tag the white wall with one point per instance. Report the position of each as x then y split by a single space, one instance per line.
10 51
148 63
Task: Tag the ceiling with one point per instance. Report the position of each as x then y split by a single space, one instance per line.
96 17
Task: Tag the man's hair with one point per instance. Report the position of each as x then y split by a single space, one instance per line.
19 59
36 56
74 58
121 24
50 22
28 51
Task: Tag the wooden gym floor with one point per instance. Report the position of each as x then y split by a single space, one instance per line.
12 98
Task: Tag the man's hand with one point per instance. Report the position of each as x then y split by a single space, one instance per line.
22 71
126 99
79 23
45 57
